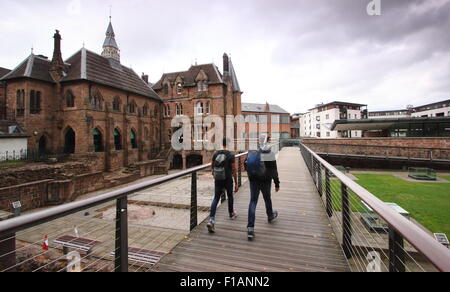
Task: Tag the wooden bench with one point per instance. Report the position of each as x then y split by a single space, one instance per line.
144 256
77 243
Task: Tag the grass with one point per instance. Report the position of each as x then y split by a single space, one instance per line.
7 164
428 203
445 177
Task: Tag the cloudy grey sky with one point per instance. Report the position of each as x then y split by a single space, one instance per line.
294 53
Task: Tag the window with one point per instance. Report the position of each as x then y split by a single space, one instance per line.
166 89
208 108
198 133
98 141
318 118
179 88
179 109
133 140
35 102
116 104
20 103
96 101
202 86
132 107
147 134
167 112
328 134
117 140
199 108
145 110
70 99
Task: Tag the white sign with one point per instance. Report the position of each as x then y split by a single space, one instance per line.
17 205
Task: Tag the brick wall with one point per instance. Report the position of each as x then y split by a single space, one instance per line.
426 148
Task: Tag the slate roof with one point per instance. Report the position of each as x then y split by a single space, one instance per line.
4 71
261 108
34 67
110 40
211 70
86 65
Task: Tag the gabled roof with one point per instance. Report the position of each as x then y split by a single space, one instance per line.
35 67
4 71
214 76
87 65
261 108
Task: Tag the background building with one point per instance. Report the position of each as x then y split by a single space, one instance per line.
438 109
318 122
264 115
3 114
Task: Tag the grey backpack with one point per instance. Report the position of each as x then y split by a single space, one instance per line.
219 167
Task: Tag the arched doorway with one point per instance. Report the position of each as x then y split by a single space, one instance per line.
69 141
194 160
98 140
177 161
42 145
117 140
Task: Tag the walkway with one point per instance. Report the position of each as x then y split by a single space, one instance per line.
301 240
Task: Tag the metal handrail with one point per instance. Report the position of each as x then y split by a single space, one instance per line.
436 253
26 221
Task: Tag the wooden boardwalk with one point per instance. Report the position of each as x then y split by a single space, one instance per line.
301 239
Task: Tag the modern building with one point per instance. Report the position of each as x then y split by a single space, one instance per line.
438 109
13 141
295 126
89 105
200 91
392 114
318 122
262 118
397 128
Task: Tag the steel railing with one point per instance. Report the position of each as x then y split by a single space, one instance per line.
374 237
10 227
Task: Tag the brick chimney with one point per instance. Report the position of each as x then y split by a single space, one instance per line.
226 63
57 66
145 78
267 107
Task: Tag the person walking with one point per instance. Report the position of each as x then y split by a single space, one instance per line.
224 171
261 166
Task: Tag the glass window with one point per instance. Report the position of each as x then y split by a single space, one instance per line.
117 140
98 141
133 140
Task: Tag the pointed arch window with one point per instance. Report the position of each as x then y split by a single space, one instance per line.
96 101
70 99
166 89
20 103
35 102
132 107
98 140
133 139
117 140
145 110
116 104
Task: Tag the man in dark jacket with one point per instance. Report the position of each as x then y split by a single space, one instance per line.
263 185
223 161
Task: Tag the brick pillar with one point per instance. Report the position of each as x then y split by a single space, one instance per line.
108 143
140 137
125 139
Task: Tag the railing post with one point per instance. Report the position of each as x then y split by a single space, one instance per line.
396 252
328 193
121 254
194 221
239 172
346 222
319 178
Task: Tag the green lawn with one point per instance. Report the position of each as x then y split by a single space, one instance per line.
428 203
7 164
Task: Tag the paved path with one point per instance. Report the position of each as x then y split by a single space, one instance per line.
301 240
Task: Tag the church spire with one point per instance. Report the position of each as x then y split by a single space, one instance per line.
110 47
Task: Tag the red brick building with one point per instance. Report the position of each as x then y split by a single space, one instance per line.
198 92
3 115
89 105
265 117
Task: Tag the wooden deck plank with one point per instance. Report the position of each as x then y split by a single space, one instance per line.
300 240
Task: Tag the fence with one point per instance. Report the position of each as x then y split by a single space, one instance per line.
30 156
373 236
118 245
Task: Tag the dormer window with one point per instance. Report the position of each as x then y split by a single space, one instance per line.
179 88
166 89
202 86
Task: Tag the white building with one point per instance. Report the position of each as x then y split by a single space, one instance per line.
393 114
317 123
438 109
13 142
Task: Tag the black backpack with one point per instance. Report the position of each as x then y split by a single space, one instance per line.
219 167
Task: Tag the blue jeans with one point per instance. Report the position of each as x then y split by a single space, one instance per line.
257 187
219 187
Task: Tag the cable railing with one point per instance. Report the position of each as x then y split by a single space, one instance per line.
101 233
374 236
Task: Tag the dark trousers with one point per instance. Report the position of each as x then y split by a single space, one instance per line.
219 187
257 187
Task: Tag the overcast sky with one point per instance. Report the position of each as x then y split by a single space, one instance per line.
294 53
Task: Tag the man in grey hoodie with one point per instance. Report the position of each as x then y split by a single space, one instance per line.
263 184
